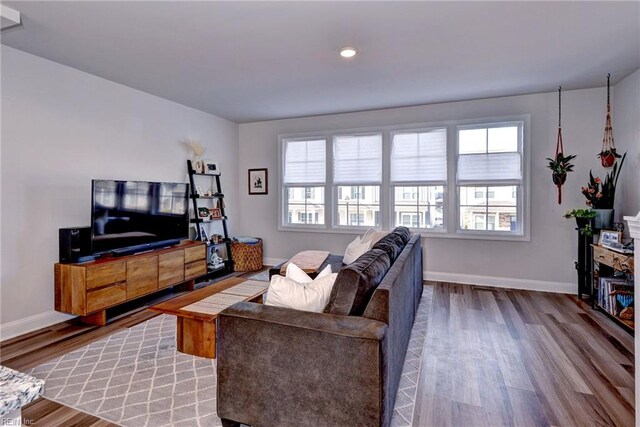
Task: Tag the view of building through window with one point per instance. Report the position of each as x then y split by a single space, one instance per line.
306 205
488 208
419 206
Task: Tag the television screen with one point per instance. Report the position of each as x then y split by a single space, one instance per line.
128 216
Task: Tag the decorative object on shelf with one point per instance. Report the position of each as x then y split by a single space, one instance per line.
214 213
200 191
211 168
216 260
198 150
560 165
607 237
601 195
203 212
608 154
203 234
584 219
258 181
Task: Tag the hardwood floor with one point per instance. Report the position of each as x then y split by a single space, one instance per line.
499 357
493 357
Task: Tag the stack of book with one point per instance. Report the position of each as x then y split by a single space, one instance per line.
614 294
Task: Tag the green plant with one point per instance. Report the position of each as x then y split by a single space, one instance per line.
561 164
583 219
586 230
601 194
580 213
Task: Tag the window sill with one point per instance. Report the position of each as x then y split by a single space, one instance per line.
426 234
476 236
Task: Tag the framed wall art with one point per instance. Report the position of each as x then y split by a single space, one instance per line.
258 181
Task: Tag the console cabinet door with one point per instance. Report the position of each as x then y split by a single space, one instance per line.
105 274
195 253
171 268
142 276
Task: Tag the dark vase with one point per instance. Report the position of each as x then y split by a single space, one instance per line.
559 178
583 222
603 219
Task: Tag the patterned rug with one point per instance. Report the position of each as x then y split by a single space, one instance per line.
136 377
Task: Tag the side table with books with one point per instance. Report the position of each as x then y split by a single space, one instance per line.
613 286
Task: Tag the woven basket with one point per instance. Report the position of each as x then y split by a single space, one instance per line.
247 256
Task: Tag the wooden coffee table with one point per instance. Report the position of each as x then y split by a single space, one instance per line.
197 312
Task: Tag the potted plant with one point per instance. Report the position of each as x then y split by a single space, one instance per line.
600 195
560 166
608 157
584 218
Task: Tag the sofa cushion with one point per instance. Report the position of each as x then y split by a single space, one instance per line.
306 295
355 249
356 282
403 232
392 244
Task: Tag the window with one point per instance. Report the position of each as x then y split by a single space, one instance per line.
357 175
455 179
418 177
489 177
303 180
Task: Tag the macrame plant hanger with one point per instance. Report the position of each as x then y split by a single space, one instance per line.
608 153
558 180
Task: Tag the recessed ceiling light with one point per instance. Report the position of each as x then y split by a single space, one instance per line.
348 52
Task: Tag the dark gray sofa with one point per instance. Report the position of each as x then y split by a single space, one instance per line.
284 367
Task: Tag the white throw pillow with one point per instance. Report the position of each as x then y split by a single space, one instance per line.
297 274
372 235
307 296
354 250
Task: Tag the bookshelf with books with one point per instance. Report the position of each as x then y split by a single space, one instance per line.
613 292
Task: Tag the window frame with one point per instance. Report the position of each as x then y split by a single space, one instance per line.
283 201
386 202
522 187
330 172
445 196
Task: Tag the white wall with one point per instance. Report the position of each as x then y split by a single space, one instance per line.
61 128
626 133
545 262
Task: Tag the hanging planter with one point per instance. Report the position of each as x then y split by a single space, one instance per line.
608 154
560 165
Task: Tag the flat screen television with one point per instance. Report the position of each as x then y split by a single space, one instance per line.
133 216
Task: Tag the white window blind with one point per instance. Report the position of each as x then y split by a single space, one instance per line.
305 162
419 156
357 159
490 154
489 167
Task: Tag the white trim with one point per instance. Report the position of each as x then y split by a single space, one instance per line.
502 282
634 225
32 323
9 18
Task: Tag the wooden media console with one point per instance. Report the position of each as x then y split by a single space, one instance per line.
88 289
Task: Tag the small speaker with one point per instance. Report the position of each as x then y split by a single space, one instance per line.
75 244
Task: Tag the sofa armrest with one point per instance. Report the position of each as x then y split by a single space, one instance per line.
285 367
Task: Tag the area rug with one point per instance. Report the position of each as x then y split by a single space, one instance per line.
136 377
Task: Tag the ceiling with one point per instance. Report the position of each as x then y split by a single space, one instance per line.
251 61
